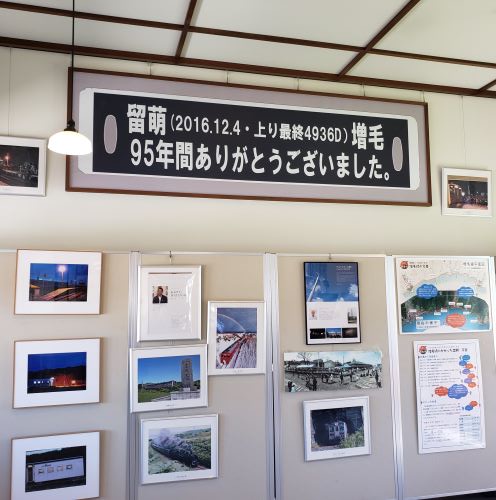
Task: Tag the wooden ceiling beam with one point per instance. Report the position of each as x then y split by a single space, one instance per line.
245 68
242 35
184 31
480 91
90 16
379 36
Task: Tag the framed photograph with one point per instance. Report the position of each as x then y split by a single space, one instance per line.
179 449
56 282
332 371
467 192
168 378
169 303
56 372
332 303
443 294
336 428
22 166
56 467
236 338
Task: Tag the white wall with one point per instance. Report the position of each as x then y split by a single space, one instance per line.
33 92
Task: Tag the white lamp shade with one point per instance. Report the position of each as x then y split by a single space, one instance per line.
70 143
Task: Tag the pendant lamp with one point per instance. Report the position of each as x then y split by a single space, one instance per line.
70 141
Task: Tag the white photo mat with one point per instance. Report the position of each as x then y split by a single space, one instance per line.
90 440
195 421
23 399
168 352
180 316
23 304
324 404
39 190
236 349
466 175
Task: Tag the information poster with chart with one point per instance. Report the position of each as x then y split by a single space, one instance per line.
331 300
450 408
443 295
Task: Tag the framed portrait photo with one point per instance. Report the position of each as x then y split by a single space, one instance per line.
467 192
336 428
56 372
22 166
236 338
57 282
179 449
168 378
56 467
169 303
332 303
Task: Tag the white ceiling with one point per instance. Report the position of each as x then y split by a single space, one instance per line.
352 22
266 53
461 29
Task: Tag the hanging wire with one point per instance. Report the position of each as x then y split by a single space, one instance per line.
73 23
464 132
10 91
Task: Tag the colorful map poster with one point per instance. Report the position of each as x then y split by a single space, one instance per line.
450 408
443 294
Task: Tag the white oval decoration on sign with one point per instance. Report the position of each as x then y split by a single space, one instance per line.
397 154
110 134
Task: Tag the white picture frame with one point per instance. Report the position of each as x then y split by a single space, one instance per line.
158 431
54 372
159 376
22 166
244 351
454 193
178 316
343 414
64 456
58 282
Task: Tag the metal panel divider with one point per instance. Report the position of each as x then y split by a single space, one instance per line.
273 424
394 366
132 425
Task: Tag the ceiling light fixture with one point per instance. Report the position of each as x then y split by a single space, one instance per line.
70 141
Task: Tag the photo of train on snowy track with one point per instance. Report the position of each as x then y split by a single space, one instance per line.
236 337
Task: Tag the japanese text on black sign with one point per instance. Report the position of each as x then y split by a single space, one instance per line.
225 141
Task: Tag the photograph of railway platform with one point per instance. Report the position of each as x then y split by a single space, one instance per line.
330 371
58 282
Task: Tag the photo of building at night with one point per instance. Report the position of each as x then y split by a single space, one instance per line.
57 372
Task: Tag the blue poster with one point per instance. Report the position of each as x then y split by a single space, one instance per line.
332 306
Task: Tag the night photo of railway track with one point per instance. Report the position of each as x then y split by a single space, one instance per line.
18 166
58 282
236 337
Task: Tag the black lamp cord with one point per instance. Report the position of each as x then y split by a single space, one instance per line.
72 46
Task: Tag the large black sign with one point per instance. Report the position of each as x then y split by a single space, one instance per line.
178 137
